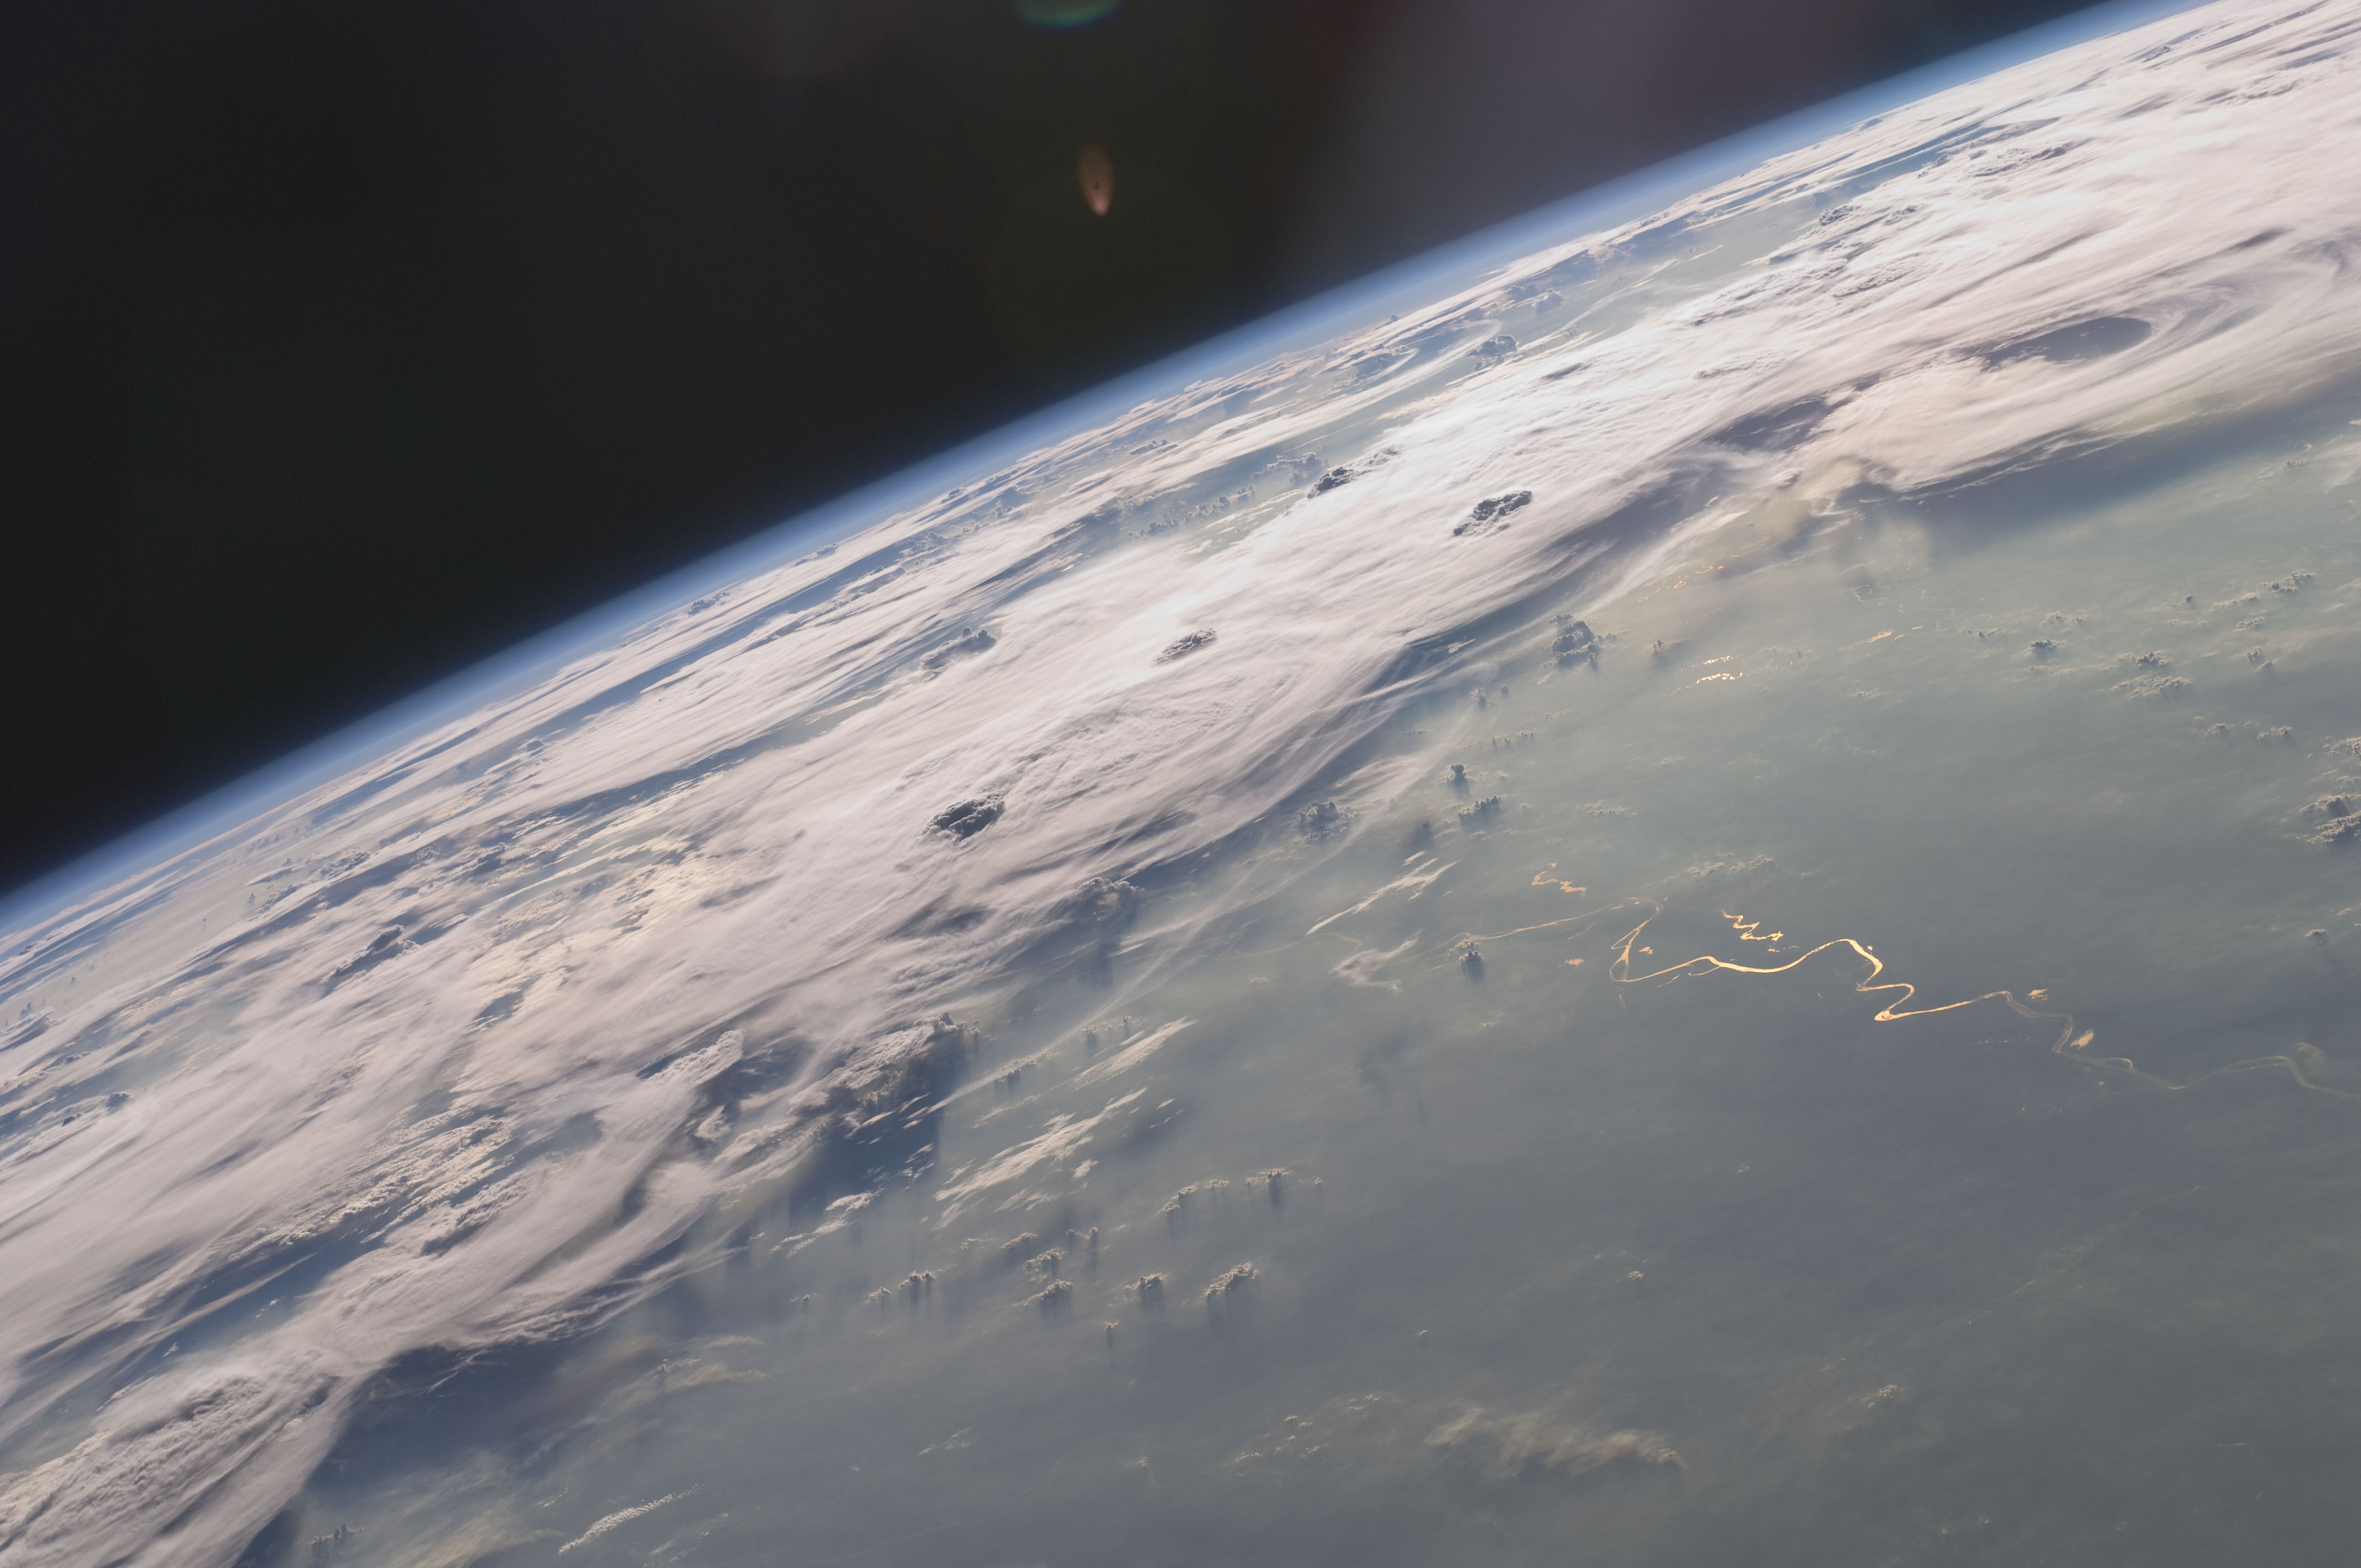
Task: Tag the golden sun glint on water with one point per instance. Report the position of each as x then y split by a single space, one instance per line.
2070 1046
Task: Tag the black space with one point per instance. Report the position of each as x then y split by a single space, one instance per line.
349 341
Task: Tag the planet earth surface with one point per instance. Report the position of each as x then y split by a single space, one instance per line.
1684 897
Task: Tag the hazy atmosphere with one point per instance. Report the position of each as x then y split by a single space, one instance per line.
1677 892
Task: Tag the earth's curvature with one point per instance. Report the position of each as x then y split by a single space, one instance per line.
1692 903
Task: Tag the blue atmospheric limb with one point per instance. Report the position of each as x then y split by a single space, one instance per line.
1401 286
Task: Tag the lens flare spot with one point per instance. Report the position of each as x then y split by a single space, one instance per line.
1065 12
1095 170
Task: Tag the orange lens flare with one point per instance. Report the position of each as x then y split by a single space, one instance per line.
1095 170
